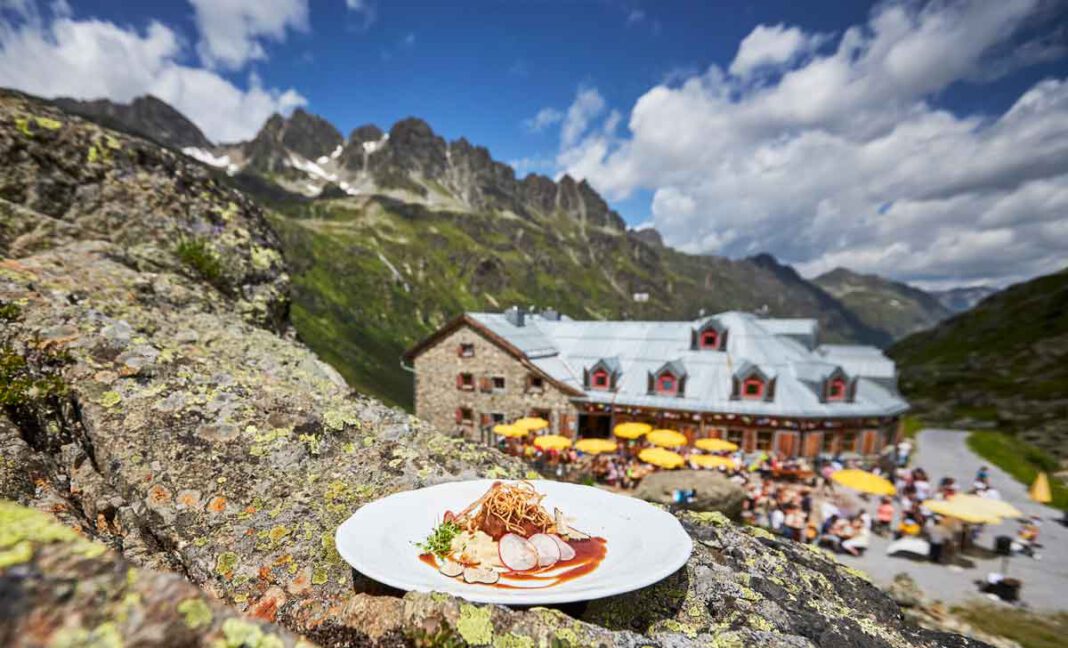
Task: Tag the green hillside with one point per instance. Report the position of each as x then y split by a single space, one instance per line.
1003 364
374 275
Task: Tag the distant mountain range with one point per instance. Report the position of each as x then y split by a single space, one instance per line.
894 307
391 233
959 300
1003 364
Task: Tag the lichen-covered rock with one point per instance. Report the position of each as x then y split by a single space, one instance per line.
59 589
64 179
152 412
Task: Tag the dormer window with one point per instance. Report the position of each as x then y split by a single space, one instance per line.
709 339
667 384
750 383
711 336
753 388
836 389
668 380
599 379
603 375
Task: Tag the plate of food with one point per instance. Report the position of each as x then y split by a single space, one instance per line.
514 542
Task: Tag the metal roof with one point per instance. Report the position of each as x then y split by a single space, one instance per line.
564 348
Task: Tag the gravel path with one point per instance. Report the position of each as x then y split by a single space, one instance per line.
1045 582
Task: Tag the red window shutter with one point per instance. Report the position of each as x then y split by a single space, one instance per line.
459 381
459 415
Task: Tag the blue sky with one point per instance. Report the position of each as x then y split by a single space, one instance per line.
483 69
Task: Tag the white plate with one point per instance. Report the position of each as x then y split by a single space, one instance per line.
645 544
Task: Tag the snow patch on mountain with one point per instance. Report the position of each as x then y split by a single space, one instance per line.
209 158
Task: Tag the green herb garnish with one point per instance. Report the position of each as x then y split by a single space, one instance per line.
439 542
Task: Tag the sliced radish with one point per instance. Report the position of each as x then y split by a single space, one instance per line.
567 552
517 553
451 568
548 551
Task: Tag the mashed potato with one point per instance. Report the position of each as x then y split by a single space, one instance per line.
477 548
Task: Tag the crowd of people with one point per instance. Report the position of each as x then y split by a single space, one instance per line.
800 501
815 511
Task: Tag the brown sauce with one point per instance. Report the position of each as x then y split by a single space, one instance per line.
588 556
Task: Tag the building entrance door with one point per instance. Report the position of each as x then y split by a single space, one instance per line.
786 444
594 426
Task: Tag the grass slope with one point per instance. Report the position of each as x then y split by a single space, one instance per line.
1003 365
1021 460
1029 629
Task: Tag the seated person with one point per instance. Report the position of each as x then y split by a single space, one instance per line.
908 527
859 541
884 516
1026 538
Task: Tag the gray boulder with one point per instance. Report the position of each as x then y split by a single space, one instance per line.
714 492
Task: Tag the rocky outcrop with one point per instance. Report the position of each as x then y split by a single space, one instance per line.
152 408
146 116
649 236
712 491
59 589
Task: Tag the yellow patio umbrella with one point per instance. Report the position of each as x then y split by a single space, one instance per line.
1039 490
983 505
631 430
661 458
863 481
531 423
508 430
666 438
712 461
595 446
962 510
552 442
716 445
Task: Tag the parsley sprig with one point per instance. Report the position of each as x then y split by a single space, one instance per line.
439 542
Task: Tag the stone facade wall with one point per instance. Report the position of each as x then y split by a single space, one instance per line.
437 396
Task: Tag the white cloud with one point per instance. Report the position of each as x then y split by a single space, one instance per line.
545 118
365 10
771 46
587 106
232 31
60 56
843 159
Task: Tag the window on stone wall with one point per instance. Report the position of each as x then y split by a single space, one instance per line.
467 350
464 416
465 381
498 383
535 384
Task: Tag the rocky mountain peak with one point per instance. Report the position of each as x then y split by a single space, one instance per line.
303 133
649 236
147 116
364 134
310 135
